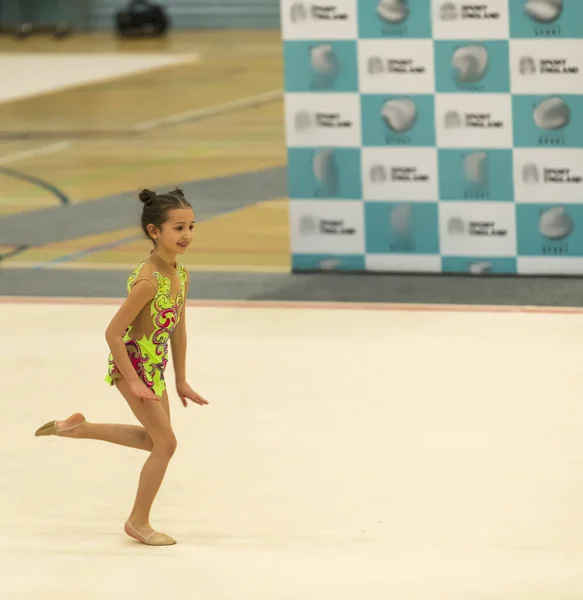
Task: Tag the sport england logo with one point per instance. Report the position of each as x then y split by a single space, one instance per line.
449 11
305 120
454 120
397 174
531 174
407 67
311 226
456 226
547 66
527 66
324 227
321 121
301 12
543 11
467 20
298 12
477 229
460 120
376 65
378 174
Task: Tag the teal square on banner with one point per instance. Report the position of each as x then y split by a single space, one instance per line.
478 265
394 19
401 227
466 66
476 174
320 66
549 229
328 262
553 121
546 19
324 173
407 120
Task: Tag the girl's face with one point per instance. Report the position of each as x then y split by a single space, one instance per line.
176 233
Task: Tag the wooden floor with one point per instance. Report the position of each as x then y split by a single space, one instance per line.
83 140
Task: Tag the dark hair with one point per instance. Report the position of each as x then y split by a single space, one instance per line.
157 207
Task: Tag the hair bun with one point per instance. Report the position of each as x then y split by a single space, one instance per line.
147 196
177 192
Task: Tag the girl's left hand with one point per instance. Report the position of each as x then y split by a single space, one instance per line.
185 392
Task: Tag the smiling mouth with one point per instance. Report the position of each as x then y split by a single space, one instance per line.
183 244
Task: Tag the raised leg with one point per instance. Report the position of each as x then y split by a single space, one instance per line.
131 436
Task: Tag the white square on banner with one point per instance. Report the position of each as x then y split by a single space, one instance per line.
545 265
403 263
313 120
548 175
388 65
400 174
473 120
553 65
477 228
305 20
463 20
326 226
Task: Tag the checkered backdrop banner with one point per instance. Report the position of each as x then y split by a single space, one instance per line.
435 135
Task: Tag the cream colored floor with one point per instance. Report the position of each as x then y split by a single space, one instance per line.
346 455
33 74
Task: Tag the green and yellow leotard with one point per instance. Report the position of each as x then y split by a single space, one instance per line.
147 338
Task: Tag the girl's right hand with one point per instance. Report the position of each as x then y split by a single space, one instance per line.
139 389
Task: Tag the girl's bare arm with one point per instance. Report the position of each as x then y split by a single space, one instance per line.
178 344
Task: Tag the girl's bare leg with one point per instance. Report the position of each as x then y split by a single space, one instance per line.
132 436
156 422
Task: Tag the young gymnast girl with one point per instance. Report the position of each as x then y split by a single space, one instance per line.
151 316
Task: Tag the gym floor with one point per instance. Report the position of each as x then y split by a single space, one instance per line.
346 453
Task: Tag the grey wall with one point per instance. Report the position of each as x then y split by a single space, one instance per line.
185 14
45 12
197 14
